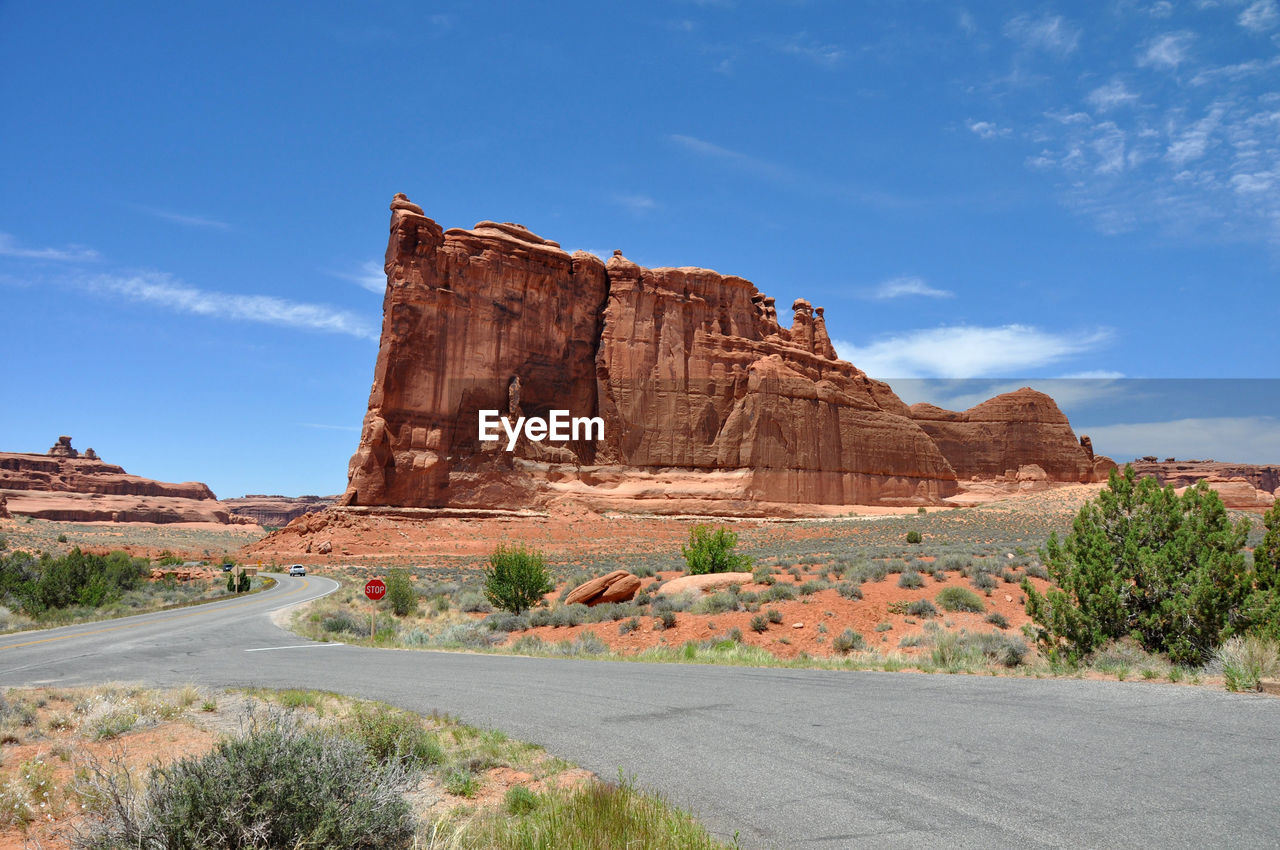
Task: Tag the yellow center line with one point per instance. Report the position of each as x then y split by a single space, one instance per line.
224 606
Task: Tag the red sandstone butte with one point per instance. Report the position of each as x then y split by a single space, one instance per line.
709 403
65 485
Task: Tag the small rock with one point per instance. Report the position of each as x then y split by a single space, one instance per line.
1008 598
326 547
797 625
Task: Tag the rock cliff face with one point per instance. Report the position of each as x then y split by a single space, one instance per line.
709 403
63 484
1004 433
277 511
1241 485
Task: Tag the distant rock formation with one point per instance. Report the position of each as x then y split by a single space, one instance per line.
64 485
277 511
709 404
1002 434
1241 485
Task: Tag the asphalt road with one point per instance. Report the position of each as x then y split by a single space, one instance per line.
787 758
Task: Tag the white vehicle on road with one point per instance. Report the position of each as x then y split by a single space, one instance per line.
297 570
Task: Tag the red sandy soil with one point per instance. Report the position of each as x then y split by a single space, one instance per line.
825 606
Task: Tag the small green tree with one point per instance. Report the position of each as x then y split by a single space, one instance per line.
711 551
1142 561
1263 608
516 579
913 536
243 582
400 593
231 582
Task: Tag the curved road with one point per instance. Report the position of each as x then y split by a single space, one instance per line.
789 758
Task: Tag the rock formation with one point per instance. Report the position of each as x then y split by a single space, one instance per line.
1002 434
277 511
1241 485
617 586
64 485
709 404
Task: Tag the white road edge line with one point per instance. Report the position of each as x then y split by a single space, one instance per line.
295 646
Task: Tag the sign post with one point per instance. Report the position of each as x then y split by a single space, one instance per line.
375 589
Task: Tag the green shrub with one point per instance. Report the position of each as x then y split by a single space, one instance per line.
1000 621
910 580
666 619
849 590
1142 560
983 581
717 603
847 641
520 800
778 593
400 593
1262 609
913 536
516 579
759 623
960 599
922 608
276 786
392 735
774 615
711 551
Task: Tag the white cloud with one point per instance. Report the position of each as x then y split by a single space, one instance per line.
1260 16
967 24
1108 97
1049 33
826 55
165 291
1194 140
987 129
371 276
966 351
638 204
1246 439
1165 51
900 287
10 247
185 219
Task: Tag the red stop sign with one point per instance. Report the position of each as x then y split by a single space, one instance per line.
375 589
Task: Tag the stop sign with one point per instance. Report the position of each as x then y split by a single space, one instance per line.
375 589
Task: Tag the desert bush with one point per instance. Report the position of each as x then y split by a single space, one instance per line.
759 623
960 650
505 621
1000 621
922 608
400 593
913 536
1036 571
666 619
519 800
472 602
983 581
629 626
711 551
569 615
960 599
465 635
774 615
1262 608
1246 660
393 736
778 593
275 786
1142 560
763 575
847 641
849 590
516 579
717 603
813 586
910 580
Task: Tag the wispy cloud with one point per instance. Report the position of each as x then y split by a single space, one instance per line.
164 291
744 162
1260 16
637 204
185 219
371 276
1165 51
907 286
987 129
1245 439
1050 34
819 53
966 351
1113 94
10 247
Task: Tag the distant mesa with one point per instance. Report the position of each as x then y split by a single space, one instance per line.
63 484
274 511
710 404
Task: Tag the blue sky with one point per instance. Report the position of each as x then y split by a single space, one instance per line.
195 202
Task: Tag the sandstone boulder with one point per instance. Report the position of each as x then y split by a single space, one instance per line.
705 582
325 547
617 586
